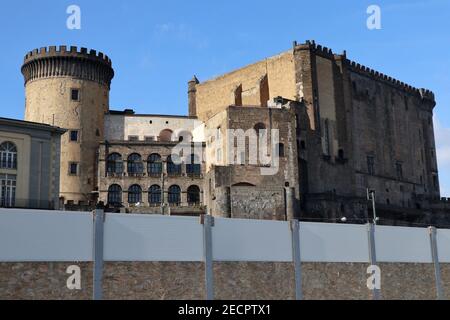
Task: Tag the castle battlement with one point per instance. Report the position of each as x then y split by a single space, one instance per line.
361 69
63 51
79 63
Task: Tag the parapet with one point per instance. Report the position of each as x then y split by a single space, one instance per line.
423 93
356 67
63 51
60 62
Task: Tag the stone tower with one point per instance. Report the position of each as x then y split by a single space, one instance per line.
69 88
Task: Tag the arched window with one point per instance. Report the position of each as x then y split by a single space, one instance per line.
114 163
174 195
135 163
154 195
194 168
134 194
281 149
258 127
8 155
115 195
154 165
193 195
165 135
172 168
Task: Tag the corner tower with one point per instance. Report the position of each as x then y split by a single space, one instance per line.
70 89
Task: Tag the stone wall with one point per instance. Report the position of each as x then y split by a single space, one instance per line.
232 280
145 180
215 95
258 203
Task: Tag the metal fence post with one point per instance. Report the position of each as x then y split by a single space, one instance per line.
208 223
295 236
373 255
99 219
437 267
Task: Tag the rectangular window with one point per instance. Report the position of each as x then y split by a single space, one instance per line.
133 138
371 165
74 136
7 191
73 168
399 169
75 95
150 139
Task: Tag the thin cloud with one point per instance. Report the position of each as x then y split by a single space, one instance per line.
181 33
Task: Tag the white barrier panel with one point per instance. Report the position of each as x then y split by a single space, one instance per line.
443 244
251 240
35 236
324 242
134 237
402 244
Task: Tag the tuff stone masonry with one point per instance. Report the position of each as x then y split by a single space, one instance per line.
336 128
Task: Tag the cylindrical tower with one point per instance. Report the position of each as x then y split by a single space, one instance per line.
70 89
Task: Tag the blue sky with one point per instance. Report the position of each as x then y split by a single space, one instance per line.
157 46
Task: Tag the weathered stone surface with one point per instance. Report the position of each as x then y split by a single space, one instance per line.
232 280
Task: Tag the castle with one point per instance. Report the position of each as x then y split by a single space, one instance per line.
341 128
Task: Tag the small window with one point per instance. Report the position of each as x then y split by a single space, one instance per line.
133 138
281 150
302 145
150 139
371 165
75 95
74 136
399 169
73 168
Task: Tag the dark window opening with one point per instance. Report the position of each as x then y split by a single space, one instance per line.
399 169
302 145
74 135
115 195
281 150
73 168
134 194
341 154
174 197
154 195
135 164
154 165
193 195
114 163
259 127
371 165
75 95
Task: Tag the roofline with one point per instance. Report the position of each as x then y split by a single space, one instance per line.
128 114
35 125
